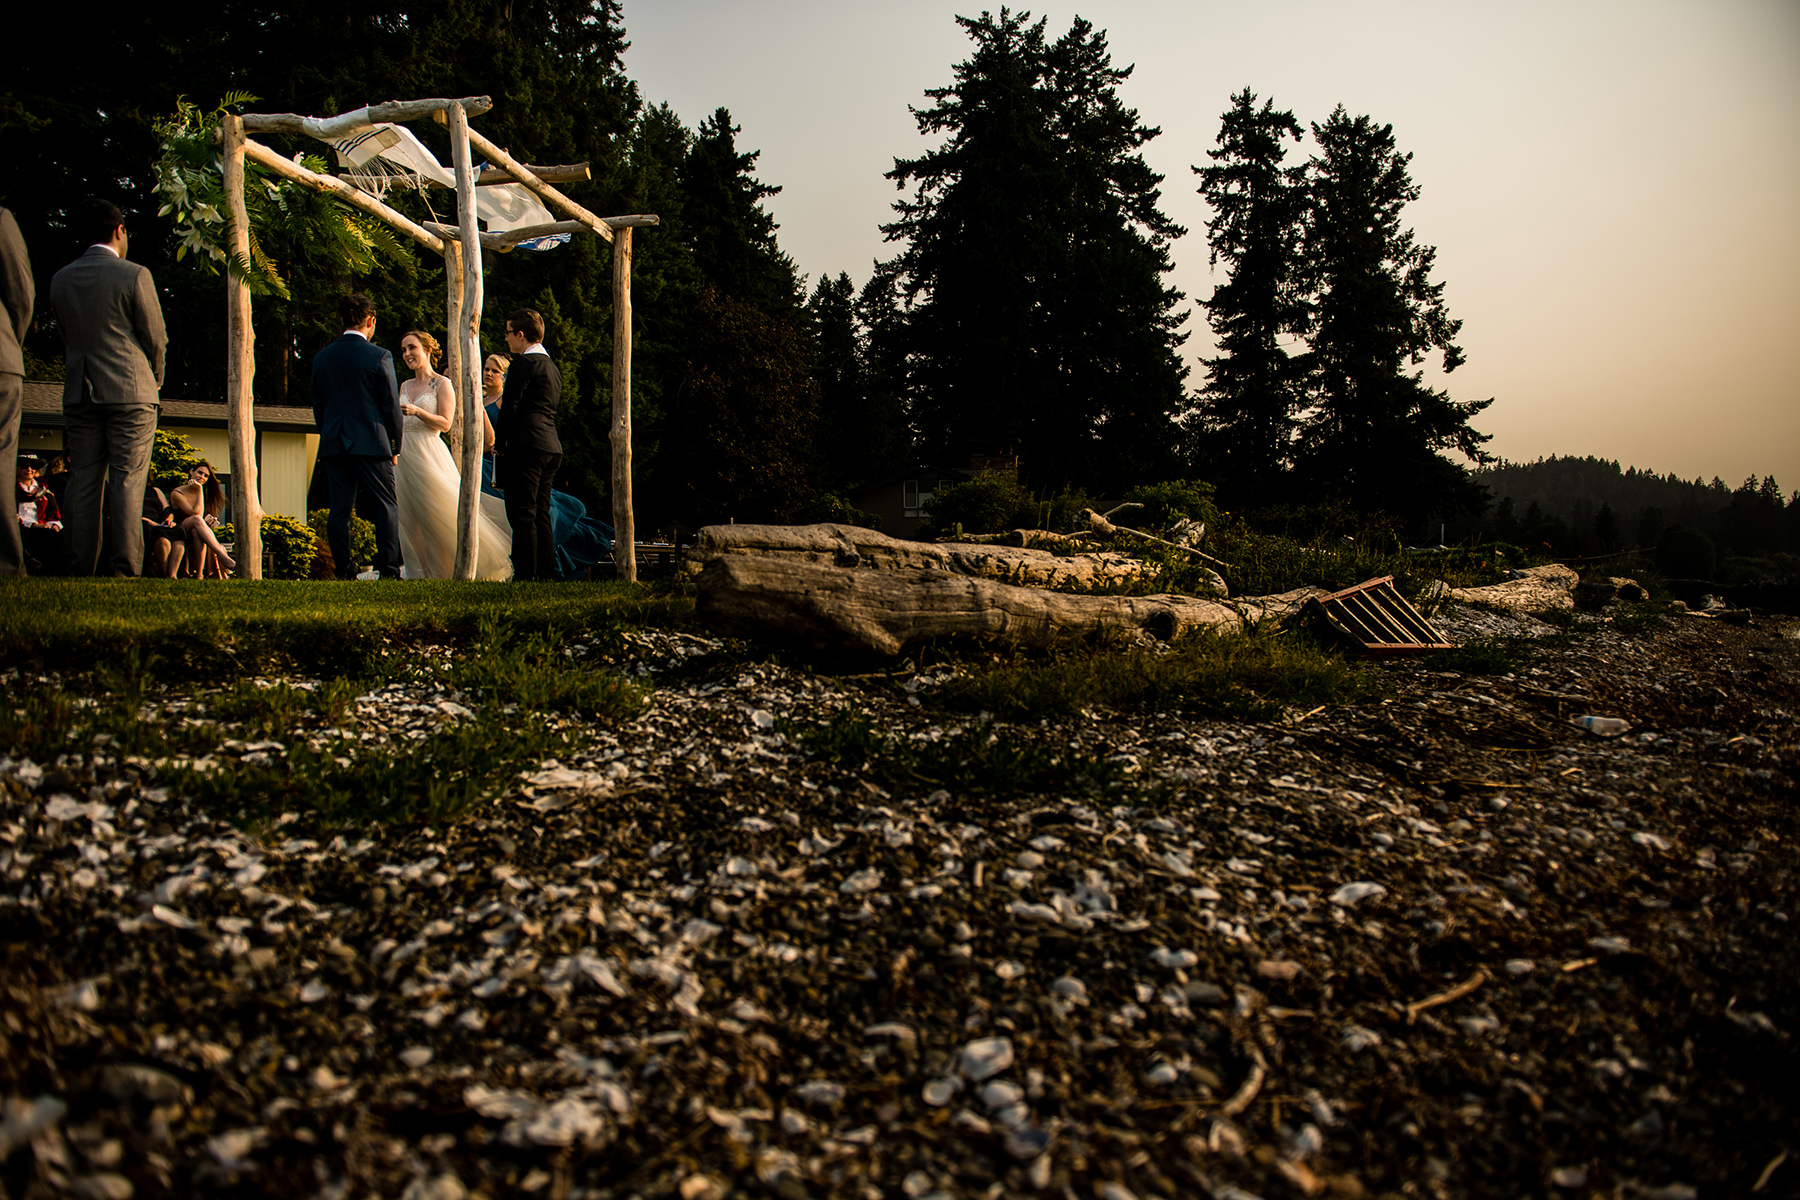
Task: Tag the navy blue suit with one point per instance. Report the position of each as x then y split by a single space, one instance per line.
356 403
527 453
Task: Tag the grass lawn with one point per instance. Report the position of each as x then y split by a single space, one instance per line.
325 628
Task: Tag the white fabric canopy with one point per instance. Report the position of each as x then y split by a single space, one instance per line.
500 207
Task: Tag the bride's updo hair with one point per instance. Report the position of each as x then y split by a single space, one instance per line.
432 350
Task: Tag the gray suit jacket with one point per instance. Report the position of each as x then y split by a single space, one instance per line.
113 337
17 294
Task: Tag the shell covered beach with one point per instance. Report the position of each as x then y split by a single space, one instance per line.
1440 942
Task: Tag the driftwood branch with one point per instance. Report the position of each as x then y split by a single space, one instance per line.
359 119
1445 997
486 177
545 191
506 241
354 197
1099 524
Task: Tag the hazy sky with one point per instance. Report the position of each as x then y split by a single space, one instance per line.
1613 186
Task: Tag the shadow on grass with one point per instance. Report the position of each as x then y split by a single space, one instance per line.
328 629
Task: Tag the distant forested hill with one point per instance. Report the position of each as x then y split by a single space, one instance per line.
1592 506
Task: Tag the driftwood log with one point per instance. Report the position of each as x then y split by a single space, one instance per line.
856 547
1550 588
841 587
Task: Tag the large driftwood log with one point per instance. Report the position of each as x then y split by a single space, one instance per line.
854 546
1549 588
828 606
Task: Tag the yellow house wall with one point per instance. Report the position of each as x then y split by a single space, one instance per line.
285 469
284 463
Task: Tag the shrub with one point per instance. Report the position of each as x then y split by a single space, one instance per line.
172 456
294 550
1166 503
362 537
994 501
830 507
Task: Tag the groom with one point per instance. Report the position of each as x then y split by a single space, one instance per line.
356 402
527 451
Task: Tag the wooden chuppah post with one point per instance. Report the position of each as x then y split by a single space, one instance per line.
465 334
240 363
624 521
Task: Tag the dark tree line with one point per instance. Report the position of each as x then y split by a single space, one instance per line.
1026 310
726 402
1569 506
1327 311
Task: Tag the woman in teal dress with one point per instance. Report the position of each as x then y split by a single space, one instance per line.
580 540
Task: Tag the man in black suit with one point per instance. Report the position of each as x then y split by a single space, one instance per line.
113 342
356 402
527 451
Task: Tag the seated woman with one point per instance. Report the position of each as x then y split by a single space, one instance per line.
580 541
163 543
37 506
196 506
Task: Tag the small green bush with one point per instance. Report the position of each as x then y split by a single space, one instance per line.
362 537
1166 503
295 551
293 547
172 456
828 507
995 501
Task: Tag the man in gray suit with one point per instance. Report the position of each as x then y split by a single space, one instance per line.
113 341
17 295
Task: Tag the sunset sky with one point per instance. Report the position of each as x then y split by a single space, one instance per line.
1613 186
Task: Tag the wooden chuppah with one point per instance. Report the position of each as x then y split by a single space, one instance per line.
461 246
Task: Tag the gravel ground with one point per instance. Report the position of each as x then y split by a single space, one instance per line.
1441 943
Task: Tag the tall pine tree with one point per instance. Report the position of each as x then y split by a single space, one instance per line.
1373 435
1243 429
1029 311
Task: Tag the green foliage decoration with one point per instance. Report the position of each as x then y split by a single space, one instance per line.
287 221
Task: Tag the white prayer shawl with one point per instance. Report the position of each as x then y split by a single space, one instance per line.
500 207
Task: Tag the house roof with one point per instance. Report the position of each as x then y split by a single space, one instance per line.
920 471
43 407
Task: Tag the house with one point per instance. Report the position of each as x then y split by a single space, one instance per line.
900 499
287 441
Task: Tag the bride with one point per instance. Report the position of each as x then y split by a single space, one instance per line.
426 481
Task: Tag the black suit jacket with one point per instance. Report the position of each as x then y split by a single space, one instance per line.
528 407
356 399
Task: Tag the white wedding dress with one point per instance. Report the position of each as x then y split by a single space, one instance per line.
426 487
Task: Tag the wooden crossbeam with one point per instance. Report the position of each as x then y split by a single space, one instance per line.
488 177
546 192
358 119
507 240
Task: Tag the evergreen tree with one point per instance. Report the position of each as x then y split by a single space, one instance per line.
1375 429
740 406
1028 309
1245 419
731 233
861 435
